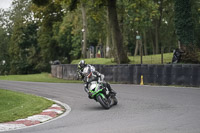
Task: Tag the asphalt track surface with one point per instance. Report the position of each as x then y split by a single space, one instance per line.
141 109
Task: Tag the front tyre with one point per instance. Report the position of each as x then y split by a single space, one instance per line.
103 101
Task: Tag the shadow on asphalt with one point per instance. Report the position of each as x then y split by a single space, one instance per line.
98 108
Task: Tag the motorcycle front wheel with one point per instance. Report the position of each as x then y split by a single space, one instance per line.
103 101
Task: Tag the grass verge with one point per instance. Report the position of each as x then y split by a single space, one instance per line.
15 105
149 59
43 77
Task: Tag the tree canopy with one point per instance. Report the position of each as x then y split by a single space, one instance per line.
35 32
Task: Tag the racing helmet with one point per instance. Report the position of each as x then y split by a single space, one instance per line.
82 64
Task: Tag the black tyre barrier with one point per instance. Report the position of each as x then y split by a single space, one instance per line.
169 74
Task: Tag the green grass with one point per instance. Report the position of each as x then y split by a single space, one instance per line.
15 105
150 59
44 77
107 61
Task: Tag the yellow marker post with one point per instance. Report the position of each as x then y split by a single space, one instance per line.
141 82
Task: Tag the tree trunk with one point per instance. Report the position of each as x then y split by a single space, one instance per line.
156 37
145 43
117 38
84 30
162 52
153 41
141 51
109 46
136 48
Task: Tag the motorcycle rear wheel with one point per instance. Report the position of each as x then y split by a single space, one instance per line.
103 101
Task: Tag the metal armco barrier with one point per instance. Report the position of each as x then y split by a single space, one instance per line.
169 74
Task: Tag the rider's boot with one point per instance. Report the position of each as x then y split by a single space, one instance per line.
112 92
89 95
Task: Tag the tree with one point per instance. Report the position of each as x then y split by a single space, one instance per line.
141 16
98 28
195 7
23 39
4 43
117 38
185 31
4 56
183 22
47 15
35 32
84 30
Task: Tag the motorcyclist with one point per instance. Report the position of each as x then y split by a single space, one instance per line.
80 68
91 75
176 56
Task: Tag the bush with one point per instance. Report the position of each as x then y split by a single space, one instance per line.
191 55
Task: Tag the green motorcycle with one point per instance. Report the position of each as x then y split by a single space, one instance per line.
101 94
